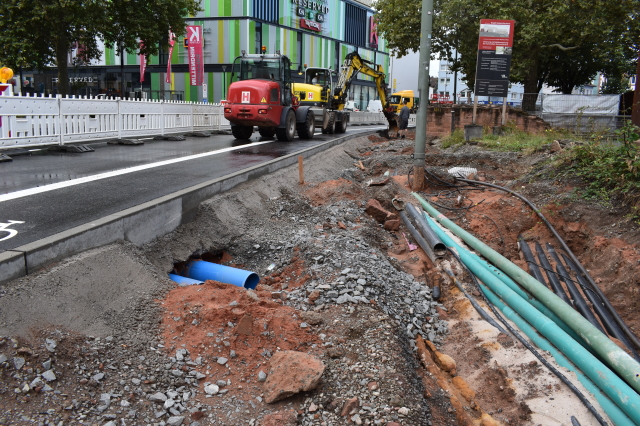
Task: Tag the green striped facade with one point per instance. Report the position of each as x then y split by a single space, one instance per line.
228 29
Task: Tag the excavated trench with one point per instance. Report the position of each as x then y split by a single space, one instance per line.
334 283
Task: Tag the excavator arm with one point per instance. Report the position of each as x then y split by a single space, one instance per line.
354 64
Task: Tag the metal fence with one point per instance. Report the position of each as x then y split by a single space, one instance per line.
582 114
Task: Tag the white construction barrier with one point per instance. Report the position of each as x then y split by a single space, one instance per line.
27 121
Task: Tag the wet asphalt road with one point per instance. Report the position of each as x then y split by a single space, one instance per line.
51 192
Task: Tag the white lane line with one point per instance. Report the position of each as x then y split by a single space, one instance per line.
65 184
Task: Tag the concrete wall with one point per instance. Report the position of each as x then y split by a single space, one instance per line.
439 119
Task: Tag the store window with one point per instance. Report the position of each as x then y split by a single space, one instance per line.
266 10
258 37
355 25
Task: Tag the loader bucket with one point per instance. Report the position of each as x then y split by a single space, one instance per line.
392 119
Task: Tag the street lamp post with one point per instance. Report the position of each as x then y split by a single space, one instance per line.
224 81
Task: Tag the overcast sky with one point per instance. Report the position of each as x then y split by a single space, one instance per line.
405 72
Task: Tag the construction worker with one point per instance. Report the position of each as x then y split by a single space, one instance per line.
403 119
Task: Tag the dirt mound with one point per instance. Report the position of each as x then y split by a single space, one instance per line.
128 346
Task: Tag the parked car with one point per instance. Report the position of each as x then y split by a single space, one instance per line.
351 106
374 106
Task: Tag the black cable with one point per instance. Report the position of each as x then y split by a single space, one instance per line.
443 182
496 225
533 350
580 268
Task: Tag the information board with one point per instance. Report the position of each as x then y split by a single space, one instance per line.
493 66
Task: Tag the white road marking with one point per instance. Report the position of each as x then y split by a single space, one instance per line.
65 184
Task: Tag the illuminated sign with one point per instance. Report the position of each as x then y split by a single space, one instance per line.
373 32
317 6
310 25
311 13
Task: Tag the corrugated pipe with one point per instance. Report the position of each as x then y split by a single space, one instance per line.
612 385
202 270
617 416
632 337
626 367
430 237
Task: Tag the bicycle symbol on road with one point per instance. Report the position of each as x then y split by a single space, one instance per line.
12 232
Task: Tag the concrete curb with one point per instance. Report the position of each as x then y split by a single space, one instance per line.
143 223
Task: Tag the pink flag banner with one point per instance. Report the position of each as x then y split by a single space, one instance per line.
172 41
143 64
194 44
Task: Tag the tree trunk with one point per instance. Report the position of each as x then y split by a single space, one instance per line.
531 88
635 114
62 50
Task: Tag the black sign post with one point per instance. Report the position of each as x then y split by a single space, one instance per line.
494 62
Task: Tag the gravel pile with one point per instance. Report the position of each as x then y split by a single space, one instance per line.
365 309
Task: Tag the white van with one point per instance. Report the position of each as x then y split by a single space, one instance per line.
351 106
374 106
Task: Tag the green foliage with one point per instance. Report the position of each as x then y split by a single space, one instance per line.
545 35
516 140
611 169
454 139
40 33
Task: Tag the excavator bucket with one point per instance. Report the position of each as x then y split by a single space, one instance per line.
392 119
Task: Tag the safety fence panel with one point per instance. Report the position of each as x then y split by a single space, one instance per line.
177 117
358 117
25 122
35 121
578 113
90 119
209 116
141 118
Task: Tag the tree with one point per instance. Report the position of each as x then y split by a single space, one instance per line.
39 33
544 31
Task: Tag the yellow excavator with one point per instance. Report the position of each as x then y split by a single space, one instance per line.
326 92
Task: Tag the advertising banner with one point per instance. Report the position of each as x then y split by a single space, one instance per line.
493 67
194 44
143 64
172 41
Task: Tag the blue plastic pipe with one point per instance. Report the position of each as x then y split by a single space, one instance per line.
184 281
202 270
617 416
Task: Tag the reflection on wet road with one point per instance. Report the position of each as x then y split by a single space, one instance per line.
49 192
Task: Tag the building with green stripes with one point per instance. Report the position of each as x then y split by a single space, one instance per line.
315 33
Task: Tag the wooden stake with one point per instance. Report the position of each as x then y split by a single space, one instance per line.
301 169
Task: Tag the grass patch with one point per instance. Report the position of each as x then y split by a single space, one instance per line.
515 140
454 139
512 139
